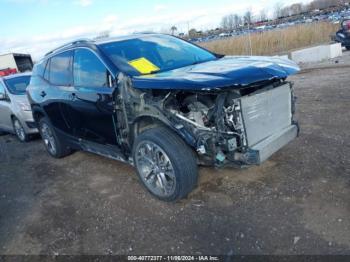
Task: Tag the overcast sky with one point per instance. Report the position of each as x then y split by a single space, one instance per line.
36 26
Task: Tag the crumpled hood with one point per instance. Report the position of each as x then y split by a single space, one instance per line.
227 72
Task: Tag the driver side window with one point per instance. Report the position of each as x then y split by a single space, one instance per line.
88 70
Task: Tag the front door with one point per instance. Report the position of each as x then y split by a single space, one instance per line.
92 99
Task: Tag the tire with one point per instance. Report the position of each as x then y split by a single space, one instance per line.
19 130
347 47
165 164
54 146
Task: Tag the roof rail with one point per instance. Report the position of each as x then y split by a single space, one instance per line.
83 40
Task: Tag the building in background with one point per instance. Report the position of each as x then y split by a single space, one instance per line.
15 63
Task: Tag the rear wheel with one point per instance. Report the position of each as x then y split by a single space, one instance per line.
165 164
53 145
19 130
347 47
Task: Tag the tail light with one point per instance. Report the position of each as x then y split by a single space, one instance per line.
8 71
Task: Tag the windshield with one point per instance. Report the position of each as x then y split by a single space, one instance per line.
17 85
152 54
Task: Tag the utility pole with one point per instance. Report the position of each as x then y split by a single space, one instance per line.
249 37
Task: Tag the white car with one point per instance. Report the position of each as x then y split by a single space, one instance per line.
15 112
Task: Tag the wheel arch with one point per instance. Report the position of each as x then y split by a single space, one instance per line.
145 122
38 113
13 116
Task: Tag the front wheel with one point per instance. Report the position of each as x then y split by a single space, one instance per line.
165 164
53 145
19 130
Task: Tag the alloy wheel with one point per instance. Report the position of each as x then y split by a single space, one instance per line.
48 138
155 169
19 130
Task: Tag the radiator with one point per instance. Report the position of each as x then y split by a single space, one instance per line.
266 113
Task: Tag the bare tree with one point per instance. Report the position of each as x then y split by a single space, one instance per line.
278 10
173 29
322 4
237 21
263 15
296 9
248 20
224 23
231 22
248 17
286 11
192 33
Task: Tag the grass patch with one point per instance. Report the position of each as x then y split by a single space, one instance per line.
275 42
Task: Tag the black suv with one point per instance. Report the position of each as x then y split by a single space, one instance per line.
343 35
163 105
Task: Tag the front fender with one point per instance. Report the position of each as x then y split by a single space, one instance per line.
151 120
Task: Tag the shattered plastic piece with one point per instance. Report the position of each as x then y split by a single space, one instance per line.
201 150
232 144
220 157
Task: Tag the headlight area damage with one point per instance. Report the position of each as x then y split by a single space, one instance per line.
242 127
226 127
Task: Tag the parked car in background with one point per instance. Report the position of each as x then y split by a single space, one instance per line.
7 71
163 105
343 35
15 112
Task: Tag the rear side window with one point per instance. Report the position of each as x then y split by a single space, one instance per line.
47 71
39 69
60 69
17 85
2 89
88 70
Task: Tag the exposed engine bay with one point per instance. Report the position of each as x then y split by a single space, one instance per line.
216 122
228 124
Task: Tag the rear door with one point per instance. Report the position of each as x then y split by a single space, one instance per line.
5 111
58 90
91 108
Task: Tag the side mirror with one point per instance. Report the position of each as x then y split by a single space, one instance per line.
2 96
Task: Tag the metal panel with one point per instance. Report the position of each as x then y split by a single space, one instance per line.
266 113
275 142
7 61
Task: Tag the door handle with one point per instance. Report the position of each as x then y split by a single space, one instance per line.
43 94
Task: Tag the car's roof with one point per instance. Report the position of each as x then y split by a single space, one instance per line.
16 75
89 42
125 37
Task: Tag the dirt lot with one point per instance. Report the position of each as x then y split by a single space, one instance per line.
298 202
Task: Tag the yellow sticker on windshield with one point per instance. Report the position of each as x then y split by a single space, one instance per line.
144 66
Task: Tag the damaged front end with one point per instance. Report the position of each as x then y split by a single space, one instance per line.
227 127
236 127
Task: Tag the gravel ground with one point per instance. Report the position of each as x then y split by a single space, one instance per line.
298 202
